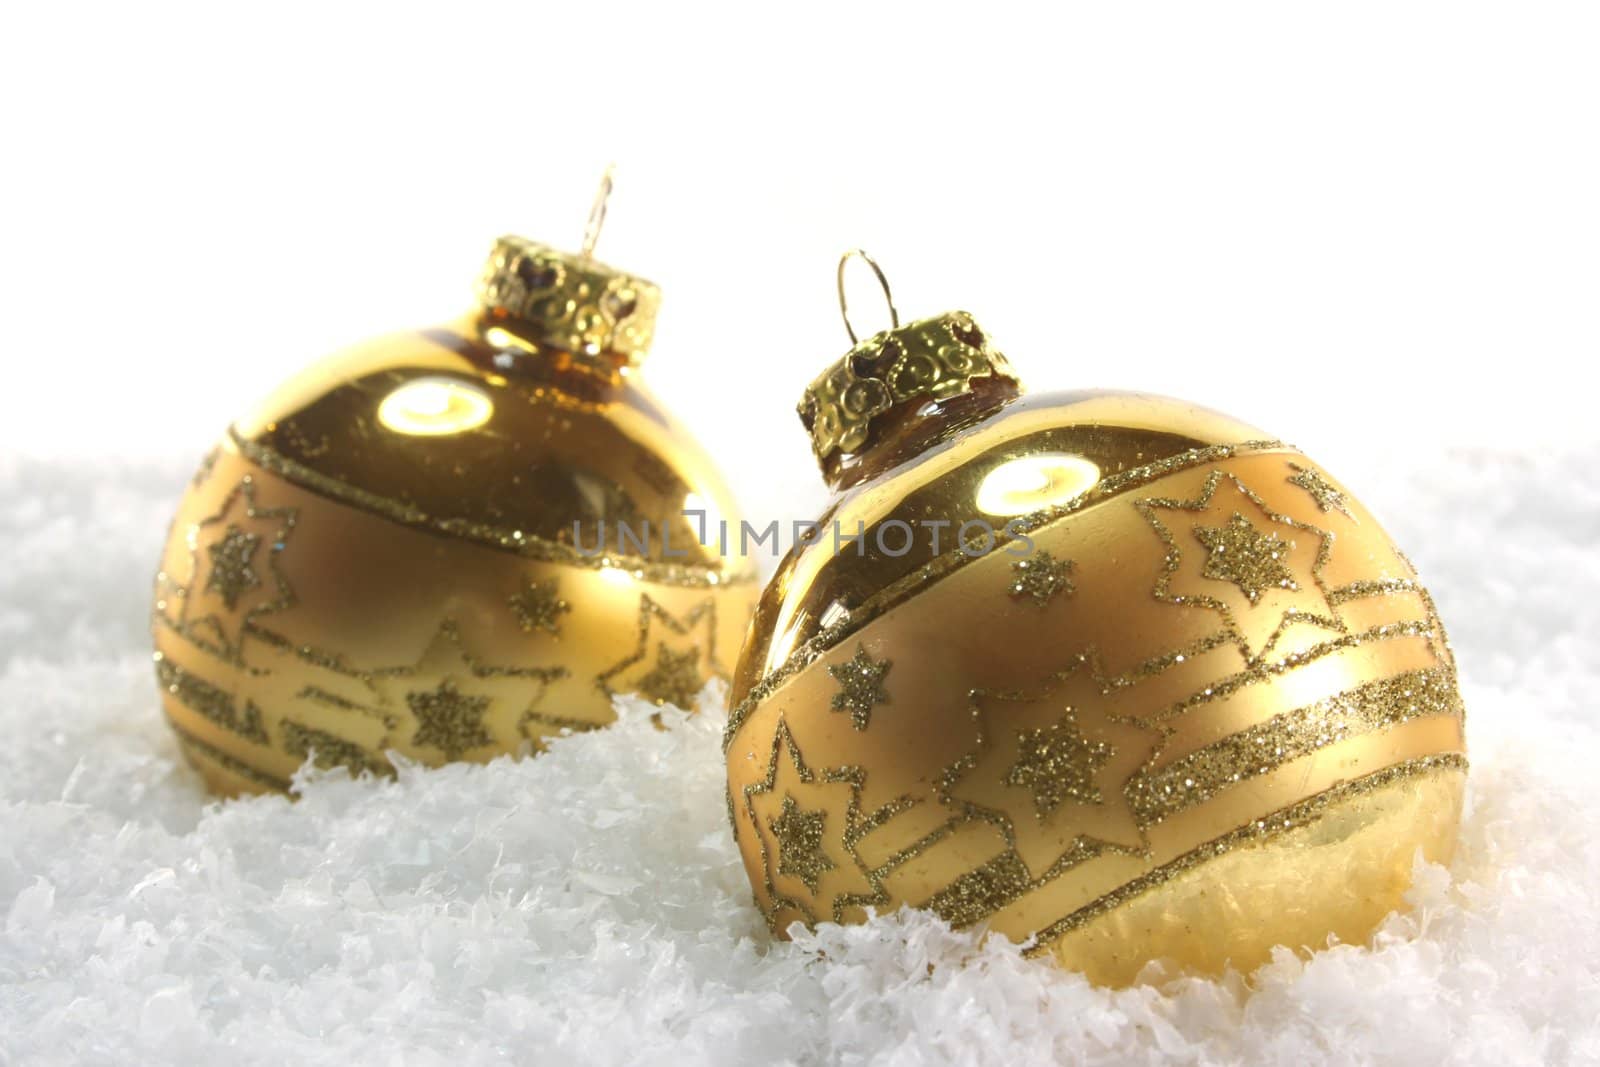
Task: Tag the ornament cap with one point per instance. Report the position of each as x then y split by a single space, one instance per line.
935 358
572 303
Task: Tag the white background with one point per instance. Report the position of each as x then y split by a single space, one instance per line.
1371 229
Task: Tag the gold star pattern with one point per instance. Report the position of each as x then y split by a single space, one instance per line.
539 607
833 789
860 687
1048 770
457 702
675 679
1235 539
448 719
1241 554
673 676
242 579
1042 577
233 572
1057 763
799 836
1328 498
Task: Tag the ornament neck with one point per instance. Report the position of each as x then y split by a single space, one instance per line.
907 430
900 392
497 348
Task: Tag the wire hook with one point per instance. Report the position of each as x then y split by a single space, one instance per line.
597 212
844 307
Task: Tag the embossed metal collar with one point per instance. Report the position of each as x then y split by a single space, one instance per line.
936 358
569 302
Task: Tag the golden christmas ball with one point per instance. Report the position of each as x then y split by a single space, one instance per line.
1109 674
452 543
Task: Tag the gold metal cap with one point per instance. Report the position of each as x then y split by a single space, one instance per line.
572 303
937 358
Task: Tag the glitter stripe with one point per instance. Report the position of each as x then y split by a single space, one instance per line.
209 702
225 761
310 653
523 544
555 722
1266 746
1372 587
1264 671
1294 817
318 695
330 750
981 892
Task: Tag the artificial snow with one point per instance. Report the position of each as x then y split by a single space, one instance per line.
588 906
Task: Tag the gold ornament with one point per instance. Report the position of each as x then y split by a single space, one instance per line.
453 542
1105 671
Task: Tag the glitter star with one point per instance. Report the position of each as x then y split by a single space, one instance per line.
1057 763
1322 491
1243 555
1289 564
799 836
1042 577
449 720
459 701
537 607
835 793
693 632
1049 770
231 579
675 679
860 687
233 572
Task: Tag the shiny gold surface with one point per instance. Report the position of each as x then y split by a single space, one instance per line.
1335 878
554 448
415 545
1193 703
1127 439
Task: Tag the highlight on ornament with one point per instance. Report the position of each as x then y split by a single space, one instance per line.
1030 484
383 554
429 407
1212 711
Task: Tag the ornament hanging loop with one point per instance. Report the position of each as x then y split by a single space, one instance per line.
597 212
844 305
